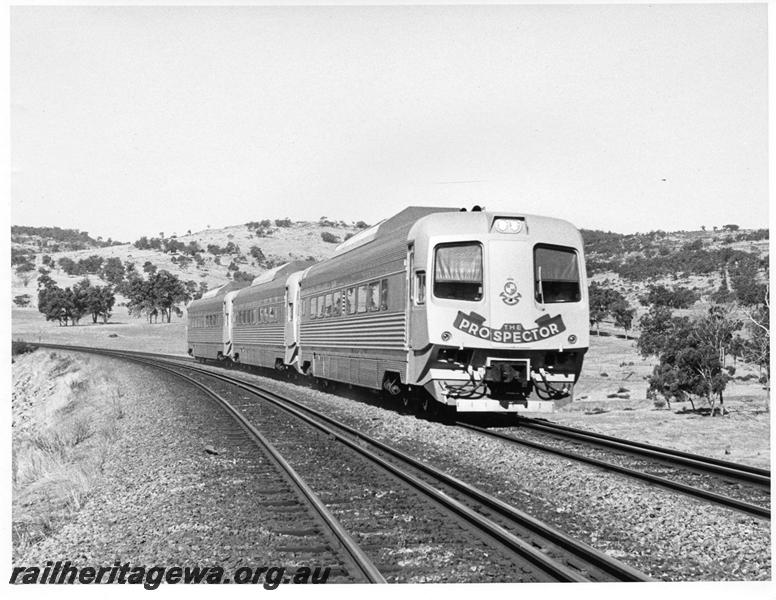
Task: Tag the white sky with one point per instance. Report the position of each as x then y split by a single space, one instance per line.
130 121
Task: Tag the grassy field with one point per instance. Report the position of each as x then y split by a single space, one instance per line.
65 423
610 396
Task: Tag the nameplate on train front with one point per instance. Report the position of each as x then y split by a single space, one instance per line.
509 333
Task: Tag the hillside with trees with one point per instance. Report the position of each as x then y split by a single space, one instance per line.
199 260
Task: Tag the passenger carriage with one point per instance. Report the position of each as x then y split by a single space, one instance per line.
208 323
263 321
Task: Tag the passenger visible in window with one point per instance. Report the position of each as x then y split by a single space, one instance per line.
328 309
373 296
336 304
350 301
384 294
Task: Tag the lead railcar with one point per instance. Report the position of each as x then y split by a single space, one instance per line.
476 311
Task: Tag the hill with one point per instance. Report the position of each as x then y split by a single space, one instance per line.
31 240
210 257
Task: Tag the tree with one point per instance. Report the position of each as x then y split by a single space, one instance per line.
24 271
657 327
169 291
757 347
99 302
68 265
160 294
257 254
149 267
22 300
113 271
44 280
623 315
691 354
602 299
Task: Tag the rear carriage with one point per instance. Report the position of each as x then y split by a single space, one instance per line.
208 333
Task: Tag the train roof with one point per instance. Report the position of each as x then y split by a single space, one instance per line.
377 248
214 297
395 226
273 281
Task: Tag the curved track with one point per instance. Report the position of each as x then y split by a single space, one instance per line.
553 553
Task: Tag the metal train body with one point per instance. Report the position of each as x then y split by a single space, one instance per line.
479 311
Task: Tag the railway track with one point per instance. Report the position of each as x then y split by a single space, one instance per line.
359 566
550 554
697 476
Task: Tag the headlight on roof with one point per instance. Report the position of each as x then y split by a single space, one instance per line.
506 225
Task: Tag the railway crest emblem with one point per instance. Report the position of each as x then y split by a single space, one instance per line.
510 295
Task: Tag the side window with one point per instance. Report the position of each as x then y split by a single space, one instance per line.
336 304
327 303
350 301
312 307
420 287
361 299
271 314
384 294
321 307
373 296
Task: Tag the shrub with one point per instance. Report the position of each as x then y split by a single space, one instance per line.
21 347
329 238
23 300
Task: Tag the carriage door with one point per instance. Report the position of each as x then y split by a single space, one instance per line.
228 324
417 329
291 326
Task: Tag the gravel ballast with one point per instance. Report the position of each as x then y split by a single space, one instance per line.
667 535
180 487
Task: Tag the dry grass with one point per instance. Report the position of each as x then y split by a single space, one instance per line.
62 437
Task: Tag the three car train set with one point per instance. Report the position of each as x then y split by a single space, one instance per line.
474 310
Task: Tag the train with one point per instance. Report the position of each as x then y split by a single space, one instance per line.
440 309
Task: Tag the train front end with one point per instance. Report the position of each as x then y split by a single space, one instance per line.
498 316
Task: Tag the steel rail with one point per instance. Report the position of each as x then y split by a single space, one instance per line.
553 568
594 557
358 557
687 459
727 501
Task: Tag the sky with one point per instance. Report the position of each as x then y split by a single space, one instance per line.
128 121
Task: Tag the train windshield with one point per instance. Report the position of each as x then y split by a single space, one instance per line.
556 274
458 271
